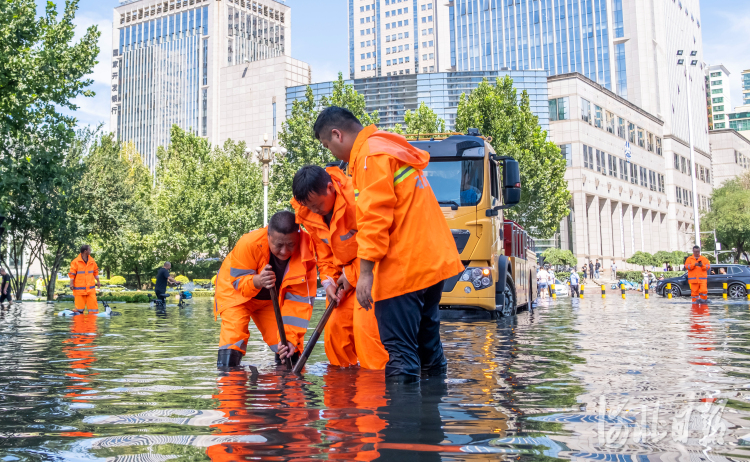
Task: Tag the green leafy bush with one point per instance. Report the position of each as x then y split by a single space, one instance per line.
182 279
117 280
127 297
637 276
202 293
201 281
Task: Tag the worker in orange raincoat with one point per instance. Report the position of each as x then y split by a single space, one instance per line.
405 248
324 205
698 267
277 256
84 280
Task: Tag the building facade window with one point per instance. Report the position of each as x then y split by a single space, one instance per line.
558 109
586 111
566 153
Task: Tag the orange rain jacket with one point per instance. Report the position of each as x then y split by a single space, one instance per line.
83 276
697 274
234 284
401 226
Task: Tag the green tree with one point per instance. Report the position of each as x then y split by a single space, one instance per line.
559 257
420 121
498 113
642 259
662 257
298 138
678 258
730 214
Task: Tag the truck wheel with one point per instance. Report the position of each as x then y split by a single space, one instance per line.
509 298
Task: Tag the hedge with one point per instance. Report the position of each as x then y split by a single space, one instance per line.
202 281
637 276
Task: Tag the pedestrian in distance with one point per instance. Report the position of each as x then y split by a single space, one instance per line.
597 267
405 247
574 283
698 268
542 278
162 279
591 269
613 270
324 204
84 280
5 287
584 269
39 286
550 279
276 257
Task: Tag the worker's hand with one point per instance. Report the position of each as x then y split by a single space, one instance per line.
344 283
98 285
286 350
266 279
332 293
699 264
364 290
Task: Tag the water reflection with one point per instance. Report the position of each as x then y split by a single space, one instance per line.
576 379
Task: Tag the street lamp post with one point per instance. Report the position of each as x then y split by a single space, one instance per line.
696 218
265 155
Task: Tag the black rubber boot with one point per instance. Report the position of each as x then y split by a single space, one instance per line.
441 369
295 358
228 358
401 379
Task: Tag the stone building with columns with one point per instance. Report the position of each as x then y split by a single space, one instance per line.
629 182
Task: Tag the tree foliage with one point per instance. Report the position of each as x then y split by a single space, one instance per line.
497 112
730 215
298 138
559 257
642 259
422 120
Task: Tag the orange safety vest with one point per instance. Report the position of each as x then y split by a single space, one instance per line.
83 275
335 246
697 273
401 226
234 283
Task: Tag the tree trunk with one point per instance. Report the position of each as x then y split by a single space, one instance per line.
137 277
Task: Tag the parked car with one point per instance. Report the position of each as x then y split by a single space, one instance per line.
562 289
735 276
320 294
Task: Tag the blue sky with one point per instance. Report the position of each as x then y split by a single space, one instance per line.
319 37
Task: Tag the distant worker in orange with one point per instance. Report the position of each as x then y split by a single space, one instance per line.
277 256
698 267
84 280
324 205
405 248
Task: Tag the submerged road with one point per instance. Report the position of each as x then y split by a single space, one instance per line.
592 379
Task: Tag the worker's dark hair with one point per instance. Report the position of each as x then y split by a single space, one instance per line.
85 247
309 179
696 247
335 117
283 222
167 263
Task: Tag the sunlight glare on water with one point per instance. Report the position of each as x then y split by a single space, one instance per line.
576 379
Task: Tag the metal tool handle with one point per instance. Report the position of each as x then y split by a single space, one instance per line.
280 324
315 336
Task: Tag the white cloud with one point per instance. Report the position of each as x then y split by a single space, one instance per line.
725 47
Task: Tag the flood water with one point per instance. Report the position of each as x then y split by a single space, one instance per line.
593 379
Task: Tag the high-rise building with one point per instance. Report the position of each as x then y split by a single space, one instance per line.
718 97
213 68
745 76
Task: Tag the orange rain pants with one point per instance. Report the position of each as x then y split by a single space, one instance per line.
351 334
234 325
699 290
87 301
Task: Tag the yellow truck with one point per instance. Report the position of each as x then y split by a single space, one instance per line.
473 185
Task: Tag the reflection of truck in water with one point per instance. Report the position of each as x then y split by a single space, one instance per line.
473 185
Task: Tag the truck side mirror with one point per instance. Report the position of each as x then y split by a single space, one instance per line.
511 182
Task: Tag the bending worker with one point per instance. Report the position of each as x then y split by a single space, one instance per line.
405 248
84 280
277 256
324 205
698 267
162 279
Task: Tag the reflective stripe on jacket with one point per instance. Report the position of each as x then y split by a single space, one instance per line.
697 273
401 226
335 246
83 275
234 284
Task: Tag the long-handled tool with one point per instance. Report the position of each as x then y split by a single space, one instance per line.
315 336
280 324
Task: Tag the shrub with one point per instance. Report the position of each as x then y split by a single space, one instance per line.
127 297
202 293
637 276
182 279
117 280
202 281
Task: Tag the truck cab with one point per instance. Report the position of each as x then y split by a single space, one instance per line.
473 186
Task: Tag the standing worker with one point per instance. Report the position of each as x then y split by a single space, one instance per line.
277 256
39 286
324 205
405 247
698 267
162 279
574 283
83 272
5 287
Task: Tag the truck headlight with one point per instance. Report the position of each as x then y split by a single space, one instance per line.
480 278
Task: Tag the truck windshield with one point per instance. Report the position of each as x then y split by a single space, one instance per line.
456 181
